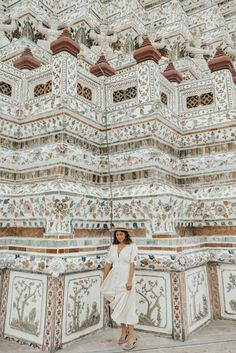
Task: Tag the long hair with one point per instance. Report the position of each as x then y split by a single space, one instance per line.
127 240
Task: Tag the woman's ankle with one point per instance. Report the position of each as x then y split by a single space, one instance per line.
124 333
131 336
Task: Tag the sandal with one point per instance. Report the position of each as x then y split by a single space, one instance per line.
130 345
123 339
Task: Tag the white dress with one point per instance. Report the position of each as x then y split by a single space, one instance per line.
113 288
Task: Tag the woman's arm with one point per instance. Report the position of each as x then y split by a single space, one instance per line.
106 270
108 263
131 274
133 261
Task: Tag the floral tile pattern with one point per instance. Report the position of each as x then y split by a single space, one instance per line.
26 306
134 149
153 297
227 284
199 310
83 308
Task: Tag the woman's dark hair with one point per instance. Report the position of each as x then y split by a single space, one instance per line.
127 240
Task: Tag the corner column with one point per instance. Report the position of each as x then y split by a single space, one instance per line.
224 90
64 65
179 307
148 82
54 314
64 75
214 290
4 286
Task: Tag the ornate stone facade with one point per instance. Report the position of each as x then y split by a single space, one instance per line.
80 151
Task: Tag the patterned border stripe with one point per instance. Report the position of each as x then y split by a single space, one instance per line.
4 297
179 306
214 288
59 312
53 327
50 311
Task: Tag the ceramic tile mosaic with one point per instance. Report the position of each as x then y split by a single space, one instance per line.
227 285
198 303
26 306
83 307
79 152
153 298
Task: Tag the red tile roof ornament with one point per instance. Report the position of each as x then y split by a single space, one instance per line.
147 52
220 61
65 43
27 61
102 68
172 74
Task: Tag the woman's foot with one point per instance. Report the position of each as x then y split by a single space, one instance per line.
130 344
123 338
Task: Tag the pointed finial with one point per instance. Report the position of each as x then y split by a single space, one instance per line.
220 61
65 43
172 74
147 52
102 68
27 61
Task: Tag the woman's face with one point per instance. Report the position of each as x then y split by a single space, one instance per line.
120 236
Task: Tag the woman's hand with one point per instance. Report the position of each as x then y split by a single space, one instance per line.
129 285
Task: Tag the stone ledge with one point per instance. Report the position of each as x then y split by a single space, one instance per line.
57 264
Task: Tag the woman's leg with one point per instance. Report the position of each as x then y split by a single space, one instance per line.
124 330
131 335
124 333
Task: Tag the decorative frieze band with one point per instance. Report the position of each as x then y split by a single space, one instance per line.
58 265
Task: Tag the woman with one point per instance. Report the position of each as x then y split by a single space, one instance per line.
118 285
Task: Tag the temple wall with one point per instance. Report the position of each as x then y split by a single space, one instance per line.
48 311
80 152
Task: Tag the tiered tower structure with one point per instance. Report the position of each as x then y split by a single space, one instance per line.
116 113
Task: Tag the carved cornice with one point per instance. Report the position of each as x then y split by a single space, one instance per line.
58 264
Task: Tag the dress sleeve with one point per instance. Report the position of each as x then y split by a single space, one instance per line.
109 256
134 254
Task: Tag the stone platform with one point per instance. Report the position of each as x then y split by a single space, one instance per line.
217 337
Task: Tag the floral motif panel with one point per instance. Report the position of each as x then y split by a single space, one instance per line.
26 306
227 285
153 295
83 306
198 302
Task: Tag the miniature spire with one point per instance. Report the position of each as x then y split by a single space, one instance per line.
147 52
171 73
65 43
27 61
102 68
220 61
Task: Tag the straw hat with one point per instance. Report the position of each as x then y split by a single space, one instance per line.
118 226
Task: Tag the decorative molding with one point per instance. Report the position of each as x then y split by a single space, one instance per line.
57 266
5 277
215 291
